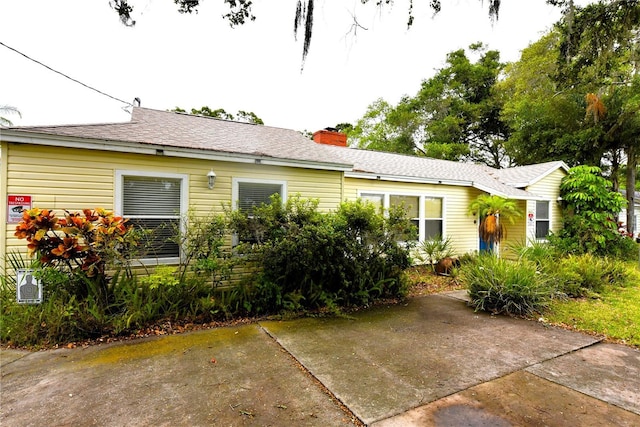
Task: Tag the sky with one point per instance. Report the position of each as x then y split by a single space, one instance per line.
173 60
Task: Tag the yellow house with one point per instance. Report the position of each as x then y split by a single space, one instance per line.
438 193
158 165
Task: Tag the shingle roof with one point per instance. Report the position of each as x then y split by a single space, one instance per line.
178 130
523 176
411 168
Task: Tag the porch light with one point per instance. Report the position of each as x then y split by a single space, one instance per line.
211 176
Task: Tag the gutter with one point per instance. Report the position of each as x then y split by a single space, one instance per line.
169 151
452 182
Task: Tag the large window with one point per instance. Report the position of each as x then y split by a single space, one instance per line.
542 219
425 212
250 193
155 203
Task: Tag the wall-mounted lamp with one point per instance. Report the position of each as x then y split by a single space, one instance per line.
211 176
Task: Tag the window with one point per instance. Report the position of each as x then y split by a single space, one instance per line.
376 199
433 218
542 219
411 205
254 194
425 212
153 202
250 193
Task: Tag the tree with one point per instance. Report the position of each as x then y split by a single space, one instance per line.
384 128
220 113
460 106
601 45
7 109
546 117
455 115
493 212
574 95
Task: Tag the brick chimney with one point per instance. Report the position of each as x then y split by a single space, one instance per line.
330 136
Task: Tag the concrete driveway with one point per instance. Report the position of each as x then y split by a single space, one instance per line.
429 362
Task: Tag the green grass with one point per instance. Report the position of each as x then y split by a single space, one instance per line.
616 314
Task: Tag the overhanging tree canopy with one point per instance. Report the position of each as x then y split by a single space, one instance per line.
241 11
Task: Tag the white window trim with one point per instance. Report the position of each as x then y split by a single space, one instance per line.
542 239
235 194
235 190
184 199
421 210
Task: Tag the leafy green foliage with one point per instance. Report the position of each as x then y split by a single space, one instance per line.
385 128
503 286
546 119
432 251
589 211
540 275
574 95
83 299
310 260
204 248
459 106
455 115
615 313
585 274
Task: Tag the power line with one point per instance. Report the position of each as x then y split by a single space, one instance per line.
66 76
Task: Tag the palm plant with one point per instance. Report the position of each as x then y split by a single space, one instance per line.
7 109
493 212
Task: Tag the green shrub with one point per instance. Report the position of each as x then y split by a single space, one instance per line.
585 274
310 260
204 250
503 286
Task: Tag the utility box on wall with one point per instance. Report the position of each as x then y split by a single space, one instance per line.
28 288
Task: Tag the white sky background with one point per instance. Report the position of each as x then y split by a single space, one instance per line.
170 60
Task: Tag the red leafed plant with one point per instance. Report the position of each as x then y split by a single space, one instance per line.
87 240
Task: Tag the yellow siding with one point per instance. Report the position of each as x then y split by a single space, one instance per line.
3 197
459 225
549 188
74 179
516 233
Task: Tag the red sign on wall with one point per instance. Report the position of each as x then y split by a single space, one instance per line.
15 205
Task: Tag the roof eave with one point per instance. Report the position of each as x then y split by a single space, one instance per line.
164 150
560 165
402 178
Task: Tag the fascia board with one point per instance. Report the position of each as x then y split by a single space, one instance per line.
401 178
163 150
493 192
561 165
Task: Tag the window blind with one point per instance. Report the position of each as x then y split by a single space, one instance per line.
153 204
150 196
252 194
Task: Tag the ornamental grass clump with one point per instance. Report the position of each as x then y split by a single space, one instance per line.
587 275
503 286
